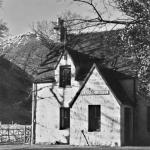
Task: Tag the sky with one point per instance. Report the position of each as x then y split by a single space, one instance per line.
21 14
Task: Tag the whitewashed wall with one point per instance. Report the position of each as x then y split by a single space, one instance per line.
110 133
47 116
69 92
48 109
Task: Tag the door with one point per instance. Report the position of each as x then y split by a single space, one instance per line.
128 126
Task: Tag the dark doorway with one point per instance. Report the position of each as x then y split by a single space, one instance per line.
127 126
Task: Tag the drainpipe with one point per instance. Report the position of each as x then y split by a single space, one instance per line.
34 104
135 99
134 113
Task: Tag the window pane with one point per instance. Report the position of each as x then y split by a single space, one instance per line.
97 111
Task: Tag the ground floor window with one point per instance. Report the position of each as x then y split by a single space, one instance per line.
64 118
94 118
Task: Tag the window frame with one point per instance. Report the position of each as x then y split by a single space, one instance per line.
94 120
64 118
63 80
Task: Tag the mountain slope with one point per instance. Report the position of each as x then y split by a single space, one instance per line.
20 57
15 100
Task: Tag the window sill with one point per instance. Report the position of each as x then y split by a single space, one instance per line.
95 131
64 129
68 86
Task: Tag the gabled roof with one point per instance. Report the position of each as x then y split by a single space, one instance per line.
112 79
95 44
103 46
83 63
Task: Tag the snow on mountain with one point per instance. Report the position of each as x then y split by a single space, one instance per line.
26 51
17 40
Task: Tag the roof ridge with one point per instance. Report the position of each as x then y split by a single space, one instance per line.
96 32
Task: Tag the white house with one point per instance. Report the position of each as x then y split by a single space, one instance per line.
80 102
52 95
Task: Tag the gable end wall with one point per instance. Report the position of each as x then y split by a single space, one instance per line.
110 133
48 108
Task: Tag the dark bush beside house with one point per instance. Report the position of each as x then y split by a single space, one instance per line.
15 96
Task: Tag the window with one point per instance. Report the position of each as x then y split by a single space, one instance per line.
128 126
148 118
65 76
64 118
94 117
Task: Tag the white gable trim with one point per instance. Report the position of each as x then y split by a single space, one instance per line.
60 58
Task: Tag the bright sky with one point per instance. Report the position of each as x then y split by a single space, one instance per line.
20 14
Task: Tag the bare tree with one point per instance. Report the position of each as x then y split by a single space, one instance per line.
3 29
136 32
3 25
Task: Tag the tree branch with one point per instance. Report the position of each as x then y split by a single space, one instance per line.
93 6
101 19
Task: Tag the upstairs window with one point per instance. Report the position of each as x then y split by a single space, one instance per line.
65 76
148 118
64 118
94 118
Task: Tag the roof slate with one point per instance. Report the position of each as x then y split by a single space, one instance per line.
113 79
85 48
97 44
83 63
